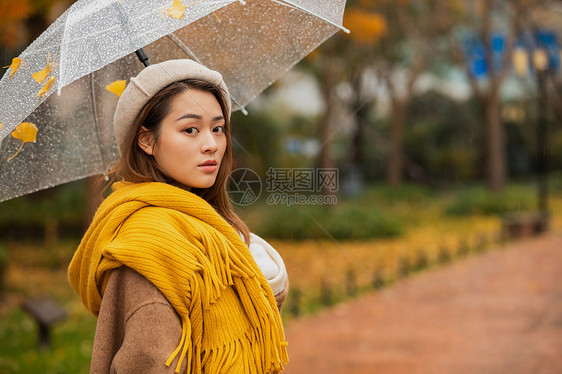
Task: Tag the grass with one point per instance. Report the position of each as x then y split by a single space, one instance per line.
319 267
41 270
70 351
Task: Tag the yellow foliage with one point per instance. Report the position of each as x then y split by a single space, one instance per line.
46 87
26 132
176 10
14 66
366 27
457 6
41 75
309 262
116 87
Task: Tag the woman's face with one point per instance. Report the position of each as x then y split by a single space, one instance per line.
192 140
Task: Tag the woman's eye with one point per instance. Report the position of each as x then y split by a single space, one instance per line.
191 130
219 129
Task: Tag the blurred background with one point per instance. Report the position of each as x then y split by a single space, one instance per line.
442 121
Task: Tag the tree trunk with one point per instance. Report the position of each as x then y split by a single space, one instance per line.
496 168
324 158
357 156
395 171
327 88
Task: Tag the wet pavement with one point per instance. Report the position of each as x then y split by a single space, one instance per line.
494 312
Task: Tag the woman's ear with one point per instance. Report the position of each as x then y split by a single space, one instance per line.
145 141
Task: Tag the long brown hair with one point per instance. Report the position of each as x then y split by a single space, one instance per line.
136 166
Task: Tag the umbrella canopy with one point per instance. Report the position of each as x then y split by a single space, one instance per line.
48 139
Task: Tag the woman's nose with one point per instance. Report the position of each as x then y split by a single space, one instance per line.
209 144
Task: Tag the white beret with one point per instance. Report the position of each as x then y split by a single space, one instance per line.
151 80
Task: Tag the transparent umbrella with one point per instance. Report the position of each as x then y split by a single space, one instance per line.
56 113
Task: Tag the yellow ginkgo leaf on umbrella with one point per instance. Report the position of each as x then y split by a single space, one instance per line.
27 133
15 65
116 87
176 10
1 125
41 75
46 87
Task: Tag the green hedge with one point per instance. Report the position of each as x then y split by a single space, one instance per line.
315 222
479 200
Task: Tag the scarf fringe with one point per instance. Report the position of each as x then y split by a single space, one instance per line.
266 339
227 358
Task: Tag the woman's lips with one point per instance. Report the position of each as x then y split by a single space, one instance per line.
210 165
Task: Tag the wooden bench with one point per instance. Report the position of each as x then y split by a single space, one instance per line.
46 312
520 225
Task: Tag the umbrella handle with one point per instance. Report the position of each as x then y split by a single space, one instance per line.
142 57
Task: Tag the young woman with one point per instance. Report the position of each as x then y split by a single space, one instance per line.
165 265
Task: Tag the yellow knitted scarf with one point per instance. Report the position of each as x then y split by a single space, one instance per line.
177 241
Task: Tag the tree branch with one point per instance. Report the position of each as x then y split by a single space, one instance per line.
509 46
462 60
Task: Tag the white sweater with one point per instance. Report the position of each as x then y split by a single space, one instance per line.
269 261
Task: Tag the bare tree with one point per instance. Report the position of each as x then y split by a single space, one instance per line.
478 18
387 37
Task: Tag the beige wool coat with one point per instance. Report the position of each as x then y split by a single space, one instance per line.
137 327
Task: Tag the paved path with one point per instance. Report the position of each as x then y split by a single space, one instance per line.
497 312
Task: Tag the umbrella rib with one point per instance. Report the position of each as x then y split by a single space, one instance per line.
173 37
96 121
295 6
